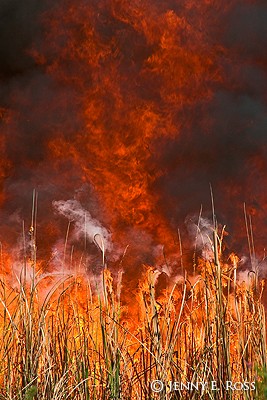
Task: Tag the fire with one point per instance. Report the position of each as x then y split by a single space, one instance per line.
129 99
123 118
207 328
127 103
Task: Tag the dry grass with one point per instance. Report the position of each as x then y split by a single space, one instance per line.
72 343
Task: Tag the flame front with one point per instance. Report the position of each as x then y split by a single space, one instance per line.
134 109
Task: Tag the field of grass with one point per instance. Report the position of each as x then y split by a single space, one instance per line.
203 337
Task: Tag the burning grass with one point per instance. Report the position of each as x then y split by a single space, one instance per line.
73 341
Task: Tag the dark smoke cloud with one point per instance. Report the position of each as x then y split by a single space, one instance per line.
247 31
38 108
227 143
19 27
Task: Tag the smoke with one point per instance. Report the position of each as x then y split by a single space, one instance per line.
33 109
19 28
250 268
201 234
247 30
226 144
85 226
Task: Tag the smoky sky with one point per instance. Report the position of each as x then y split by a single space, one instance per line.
19 27
28 94
225 145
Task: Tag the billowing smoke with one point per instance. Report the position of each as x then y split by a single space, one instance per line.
85 226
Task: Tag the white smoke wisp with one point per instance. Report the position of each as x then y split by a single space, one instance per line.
84 224
202 235
23 255
254 268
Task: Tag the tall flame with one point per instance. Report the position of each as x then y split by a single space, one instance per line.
139 71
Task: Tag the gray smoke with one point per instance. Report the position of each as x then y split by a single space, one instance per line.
201 233
85 225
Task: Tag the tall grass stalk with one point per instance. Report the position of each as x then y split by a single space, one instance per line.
61 339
